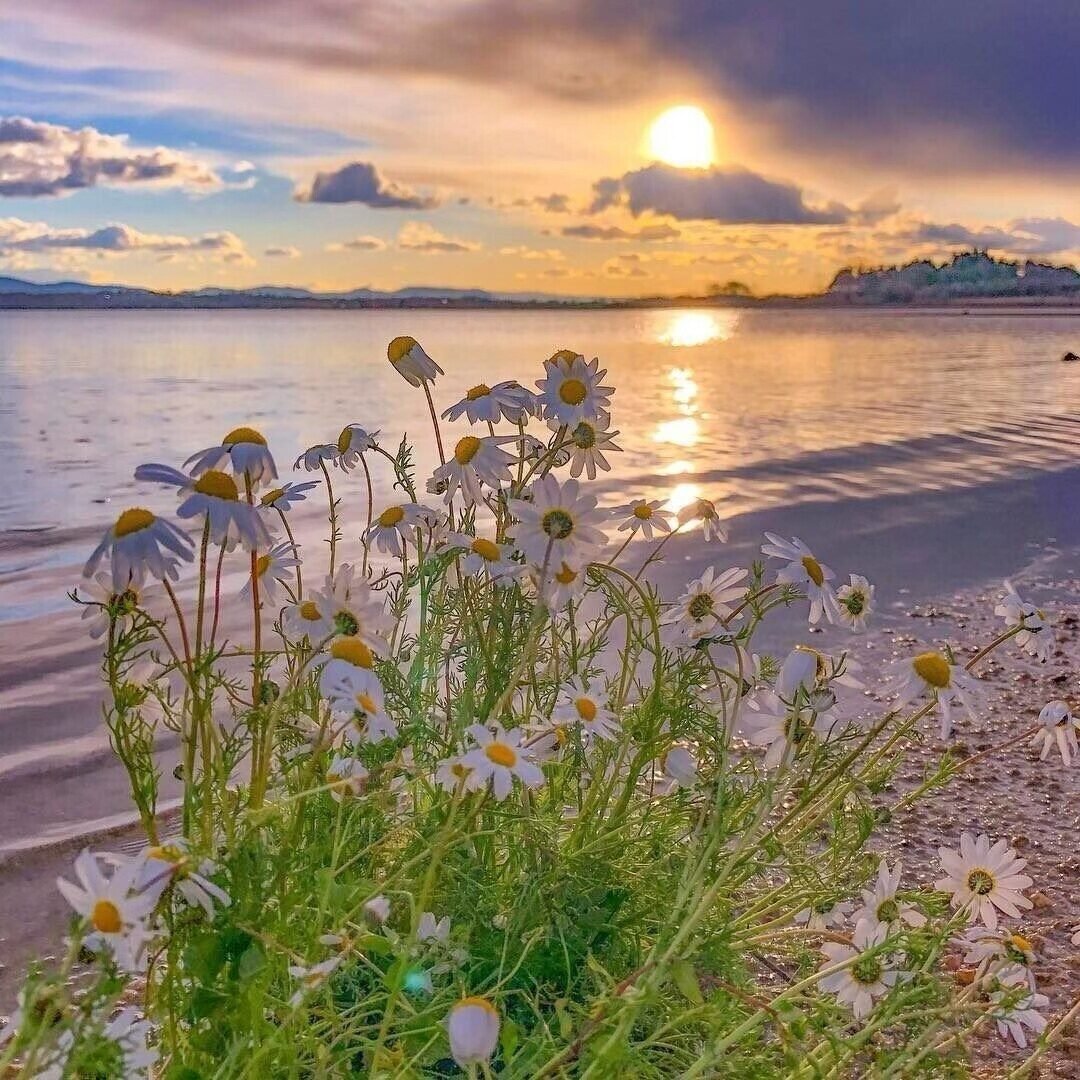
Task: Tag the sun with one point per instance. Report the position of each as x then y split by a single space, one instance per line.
682 136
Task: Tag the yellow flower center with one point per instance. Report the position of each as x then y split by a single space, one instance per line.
165 853
365 703
572 391
399 348
309 612
218 485
478 391
352 651
584 436
262 564
344 440
933 669
586 709
643 512
459 770
486 549
700 606
563 357
466 449
566 576
813 569
105 917
557 523
132 521
242 435
272 496
561 737
501 754
478 1002
391 516
980 881
1020 943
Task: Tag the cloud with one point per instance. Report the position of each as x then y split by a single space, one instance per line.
729 195
360 182
286 251
420 236
615 232
42 159
522 252
359 243
1024 236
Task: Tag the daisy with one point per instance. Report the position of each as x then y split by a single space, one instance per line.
345 777
313 457
984 878
351 608
824 913
377 908
273 571
712 528
108 607
931 674
804 571
785 727
172 863
134 544
559 587
855 602
648 517
1059 728
282 498
304 619
244 450
571 390
1036 638
679 767
701 609
431 929
359 694
313 977
353 442
1017 1014
391 529
588 441
473 1028
130 1036
411 362
584 704
115 914
500 757
869 977
1002 953
880 905
452 773
483 556
483 403
559 523
475 461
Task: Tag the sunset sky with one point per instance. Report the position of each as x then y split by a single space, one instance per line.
512 145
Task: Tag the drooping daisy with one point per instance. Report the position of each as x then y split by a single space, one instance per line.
475 461
499 757
345 777
134 544
558 587
348 607
313 977
411 362
589 439
880 905
109 607
641 514
804 571
274 570
473 1028
584 704
824 913
352 443
571 390
558 524
855 602
172 863
483 403
1002 953
1059 728
392 529
1036 638
243 450
983 878
481 556
712 527
701 609
282 498
870 976
931 674
1012 1014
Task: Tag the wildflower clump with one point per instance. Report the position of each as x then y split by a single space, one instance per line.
486 799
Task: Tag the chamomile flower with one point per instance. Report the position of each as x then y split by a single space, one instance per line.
473 1029
453 773
1036 638
571 390
1059 728
358 693
475 462
558 587
275 569
786 726
880 905
702 608
804 571
984 878
871 975
107 606
589 439
411 362
584 704
931 674
172 863
483 557
483 403
430 929
345 777
392 529
243 450
348 607
131 1037
353 442
141 544
1012 1014
703 510
824 913
282 498
855 602
312 978
558 523
498 758
679 767
645 516
1002 953
305 619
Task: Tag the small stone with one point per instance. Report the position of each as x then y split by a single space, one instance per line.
1039 900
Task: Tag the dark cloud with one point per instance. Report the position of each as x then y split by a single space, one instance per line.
284 251
1025 236
614 232
360 182
359 243
554 203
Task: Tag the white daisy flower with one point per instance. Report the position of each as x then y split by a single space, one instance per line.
589 439
475 461
473 1028
393 528
1036 638
430 929
641 514
558 523
1002 953
785 727
173 863
1012 1015
1059 728
824 913
701 609
313 457
345 777
483 403
411 362
349 607
313 977
679 766
452 772
244 450
584 704
931 674
870 976
499 757
983 878
304 619
712 528
559 587
108 605
275 570
880 905
353 442
855 602
571 390
134 544
481 556
357 693
804 571
116 914
282 498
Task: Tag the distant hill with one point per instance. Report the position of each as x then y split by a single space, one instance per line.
970 274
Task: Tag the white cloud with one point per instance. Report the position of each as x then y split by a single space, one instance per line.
284 251
359 243
420 236
522 252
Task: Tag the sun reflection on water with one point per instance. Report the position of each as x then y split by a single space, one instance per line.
685 329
